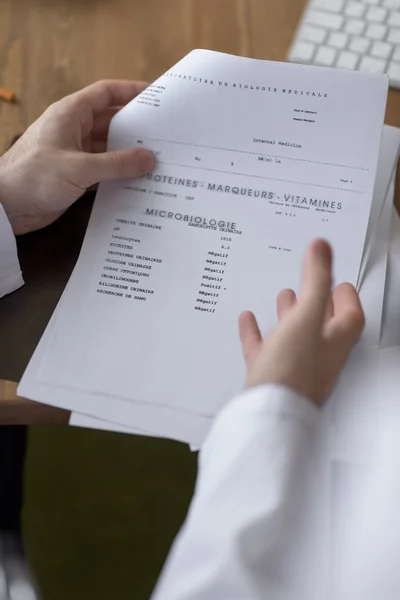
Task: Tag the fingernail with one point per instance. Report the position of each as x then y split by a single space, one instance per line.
323 249
145 161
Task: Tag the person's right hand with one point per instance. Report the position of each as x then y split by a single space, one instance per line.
64 152
315 334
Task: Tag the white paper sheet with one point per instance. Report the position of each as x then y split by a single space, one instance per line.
181 427
348 407
354 403
304 157
371 291
386 170
390 336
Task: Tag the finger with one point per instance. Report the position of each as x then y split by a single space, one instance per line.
345 298
103 94
285 301
83 106
102 122
250 336
316 281
98 146
121 164
348 321
329 310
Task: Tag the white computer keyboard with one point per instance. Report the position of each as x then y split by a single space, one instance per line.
351 34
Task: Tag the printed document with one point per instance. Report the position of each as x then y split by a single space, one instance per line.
350 398
254 160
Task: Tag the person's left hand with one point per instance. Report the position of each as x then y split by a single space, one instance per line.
64 152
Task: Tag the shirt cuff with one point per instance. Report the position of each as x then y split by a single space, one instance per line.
272 400
265 417
10 271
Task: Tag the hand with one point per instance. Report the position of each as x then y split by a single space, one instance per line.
314 336
64 152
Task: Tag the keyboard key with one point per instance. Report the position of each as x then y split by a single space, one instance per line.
359 45
376 31
325 56
393 4
377 14
347 60
313 34
394 73
354 26
354 9
394 36
338 40
381 50
302 51
394 19
350 34
331 5
372 65
324 19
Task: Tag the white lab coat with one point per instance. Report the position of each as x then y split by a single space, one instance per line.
258 527
16 579
266 522
255 529
10 272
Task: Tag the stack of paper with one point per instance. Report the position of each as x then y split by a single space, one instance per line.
254 160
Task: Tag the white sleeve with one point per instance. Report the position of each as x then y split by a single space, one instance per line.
10 272
252 531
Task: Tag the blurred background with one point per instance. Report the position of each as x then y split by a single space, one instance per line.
49 48
102 509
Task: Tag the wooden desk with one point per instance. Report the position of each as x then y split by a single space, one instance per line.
48 50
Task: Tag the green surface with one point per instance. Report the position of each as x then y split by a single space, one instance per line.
101 510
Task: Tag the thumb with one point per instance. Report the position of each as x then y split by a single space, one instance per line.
119 164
